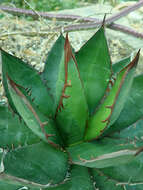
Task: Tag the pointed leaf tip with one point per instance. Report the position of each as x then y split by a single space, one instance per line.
67 49
134 62
104 20
113 104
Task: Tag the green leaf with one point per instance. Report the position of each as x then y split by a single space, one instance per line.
134 187
72 110
131 172
25 76
118 66
39 163
6 186
102 153
10 184
95 68
129 175
105 183
13 132
113 104
43 127
54 70
79 179
132 134
133 108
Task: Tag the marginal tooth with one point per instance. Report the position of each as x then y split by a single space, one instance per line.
108 89
33 99
49 135
111 82
65 96
110 107
44 123
29 93
20 119
107 119
69 84
12 146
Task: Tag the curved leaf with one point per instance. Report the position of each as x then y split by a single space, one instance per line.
72 110
113 104
39 163
129 175
79 179
13 132
54 70
118 66
105 183
43 127
132 134
94 64
102 153
133 108
7 184
25 76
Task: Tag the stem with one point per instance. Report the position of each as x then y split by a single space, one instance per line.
65 17
126 29
32 34
93 22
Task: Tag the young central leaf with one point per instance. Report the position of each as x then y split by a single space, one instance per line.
95 68
109 111
53 74
72 111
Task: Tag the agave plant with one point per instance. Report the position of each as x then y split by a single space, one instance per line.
75 126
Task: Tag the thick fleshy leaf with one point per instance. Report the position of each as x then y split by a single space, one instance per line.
95 68
113 104
13 132
25 76
102 153
104 183
7 183
118 66
127 175
39 163
133 133
133 108
72 110
54 70
79 179
6 186
43 127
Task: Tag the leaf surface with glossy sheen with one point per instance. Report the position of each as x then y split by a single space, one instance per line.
113 104
13 132
133 108
72 110
102 153
39 163
40 125
94 64
27 77
126 176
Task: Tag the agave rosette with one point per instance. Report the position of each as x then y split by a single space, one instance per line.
64 134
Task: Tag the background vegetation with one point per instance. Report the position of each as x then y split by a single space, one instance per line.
50 5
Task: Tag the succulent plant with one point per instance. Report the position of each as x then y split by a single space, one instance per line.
75 126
